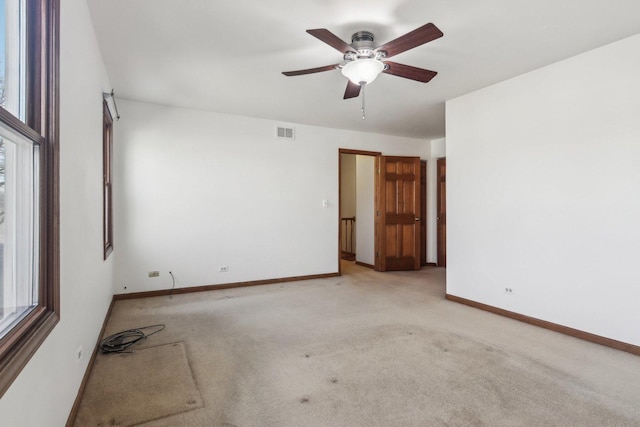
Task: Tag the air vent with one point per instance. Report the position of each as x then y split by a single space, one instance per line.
284 133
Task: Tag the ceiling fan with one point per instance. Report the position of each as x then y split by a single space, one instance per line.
364 60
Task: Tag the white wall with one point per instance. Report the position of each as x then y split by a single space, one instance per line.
365 209
438 148
543 193
44 392
196 190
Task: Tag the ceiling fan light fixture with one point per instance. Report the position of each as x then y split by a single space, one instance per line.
363 70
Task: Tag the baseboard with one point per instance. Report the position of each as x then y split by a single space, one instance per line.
576 333
430 264
364 264
176 291
87 373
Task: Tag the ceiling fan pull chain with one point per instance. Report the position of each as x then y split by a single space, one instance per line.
362 84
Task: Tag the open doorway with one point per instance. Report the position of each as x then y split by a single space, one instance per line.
357 207
381 211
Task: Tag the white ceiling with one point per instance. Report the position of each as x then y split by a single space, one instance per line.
227 56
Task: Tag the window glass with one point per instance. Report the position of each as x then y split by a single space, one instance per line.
18 228
107 151
12 56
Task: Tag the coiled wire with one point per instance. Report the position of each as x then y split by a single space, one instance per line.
122 341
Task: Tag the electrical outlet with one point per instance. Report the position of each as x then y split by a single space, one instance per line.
224 269
508 291
79 354
154 273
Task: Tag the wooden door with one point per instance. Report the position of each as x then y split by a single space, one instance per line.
398 213
423 212
442 212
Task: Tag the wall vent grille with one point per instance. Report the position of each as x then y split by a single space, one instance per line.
285 132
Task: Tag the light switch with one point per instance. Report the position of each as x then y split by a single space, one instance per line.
325 203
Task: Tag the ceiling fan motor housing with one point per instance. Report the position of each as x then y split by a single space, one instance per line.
365 47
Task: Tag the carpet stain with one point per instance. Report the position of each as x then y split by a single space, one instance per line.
334 380
307 356
134 395
305 399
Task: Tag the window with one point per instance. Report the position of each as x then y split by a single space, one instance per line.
29 251
107 152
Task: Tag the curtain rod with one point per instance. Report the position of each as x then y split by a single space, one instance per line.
106 96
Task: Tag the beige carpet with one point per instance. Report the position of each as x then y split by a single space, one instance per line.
378 349
132 388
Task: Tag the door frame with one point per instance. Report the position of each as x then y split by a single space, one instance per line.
441 219
423 212
342 151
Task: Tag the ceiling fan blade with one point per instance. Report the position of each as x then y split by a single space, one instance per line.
331 39
417 37
310 70
409 72
353 90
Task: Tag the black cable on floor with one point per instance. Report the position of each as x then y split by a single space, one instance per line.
173 279
120 342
